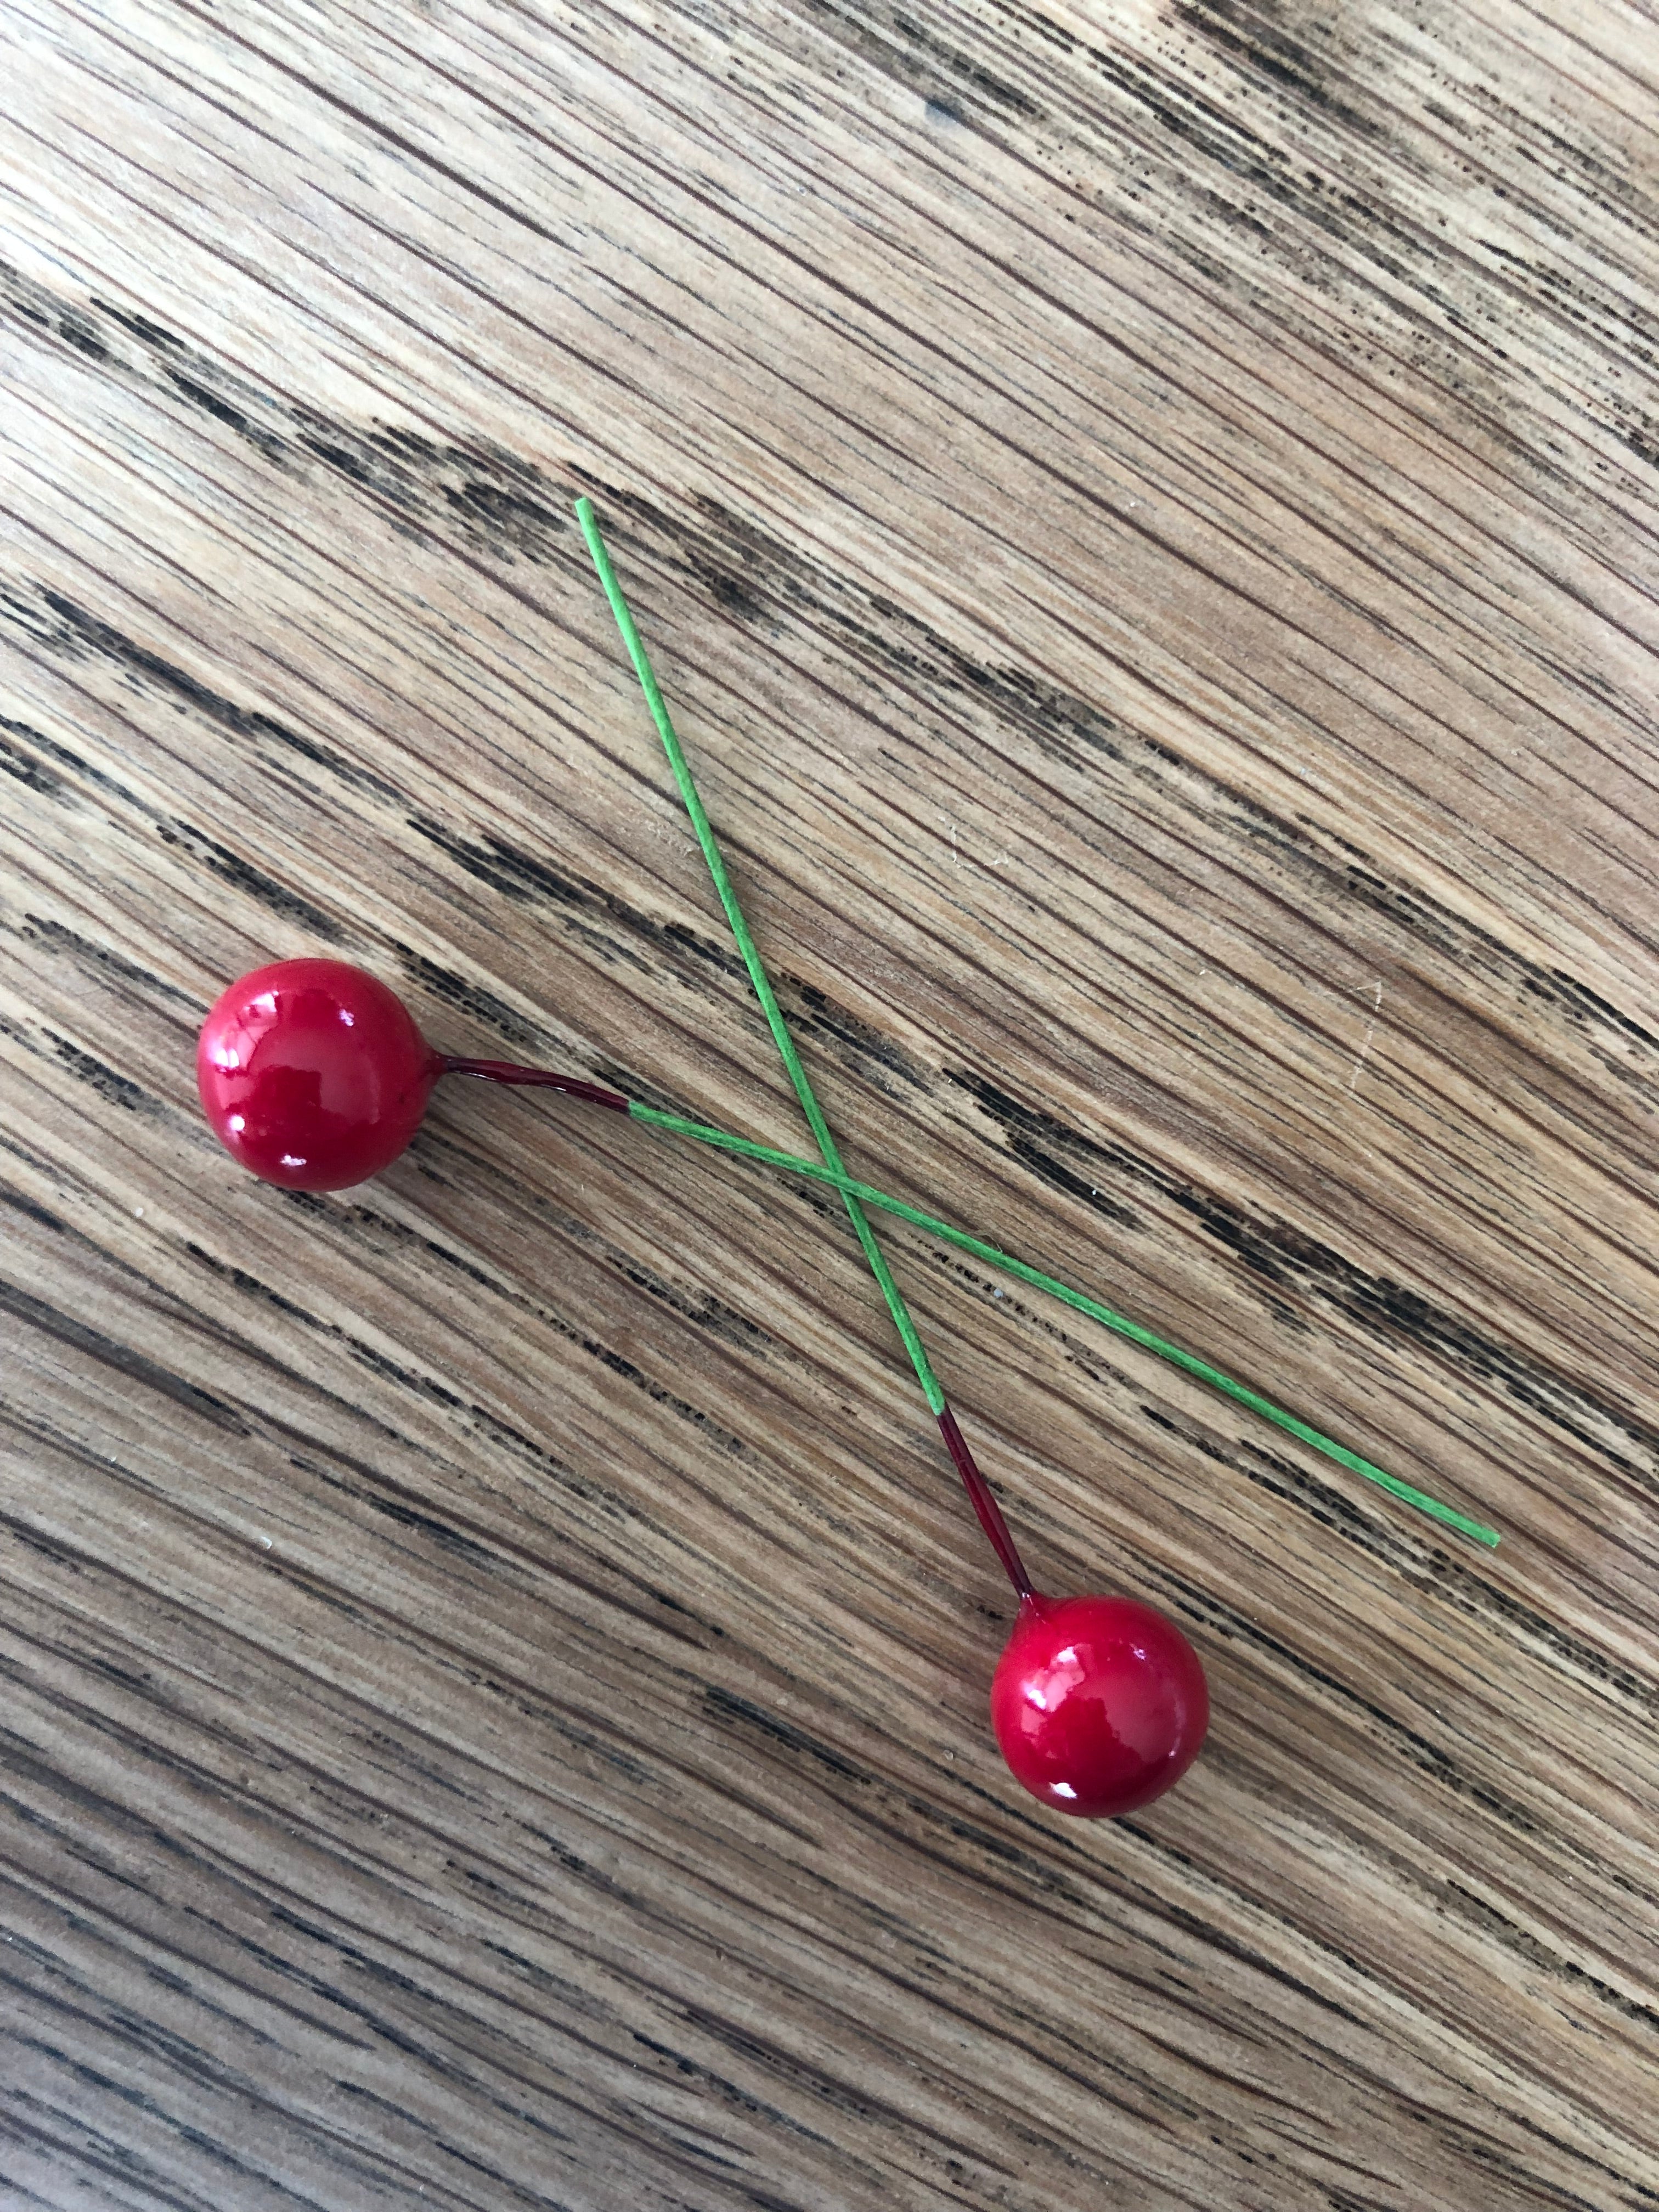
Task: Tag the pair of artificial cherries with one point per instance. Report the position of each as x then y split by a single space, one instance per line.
314 1074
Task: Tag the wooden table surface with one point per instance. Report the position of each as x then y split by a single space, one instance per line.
1146 516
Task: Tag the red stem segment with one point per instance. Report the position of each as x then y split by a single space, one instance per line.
989 1512
538 1078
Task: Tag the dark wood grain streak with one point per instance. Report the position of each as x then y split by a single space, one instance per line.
1145 516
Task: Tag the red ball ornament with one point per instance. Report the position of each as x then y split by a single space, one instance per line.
1099 1704
314 1074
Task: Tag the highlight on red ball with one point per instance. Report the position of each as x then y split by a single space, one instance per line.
314 1074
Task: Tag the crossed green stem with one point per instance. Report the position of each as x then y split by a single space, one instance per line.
830 1170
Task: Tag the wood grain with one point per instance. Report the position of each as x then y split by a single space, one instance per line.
1145 514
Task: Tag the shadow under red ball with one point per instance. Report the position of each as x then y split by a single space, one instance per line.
314 1074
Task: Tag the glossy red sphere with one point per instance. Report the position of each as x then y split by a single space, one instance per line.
314 1074
1099 1704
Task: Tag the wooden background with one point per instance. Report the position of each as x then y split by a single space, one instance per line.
1146 515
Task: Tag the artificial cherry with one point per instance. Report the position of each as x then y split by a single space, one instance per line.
314 1074
1099 1704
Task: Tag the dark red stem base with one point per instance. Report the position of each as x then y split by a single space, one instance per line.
538 1078
981 1498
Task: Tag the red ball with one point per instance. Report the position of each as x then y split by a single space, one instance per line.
1099 1704
314 1074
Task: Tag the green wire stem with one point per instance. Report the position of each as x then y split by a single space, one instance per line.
1079 1301
858 1195
752 962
